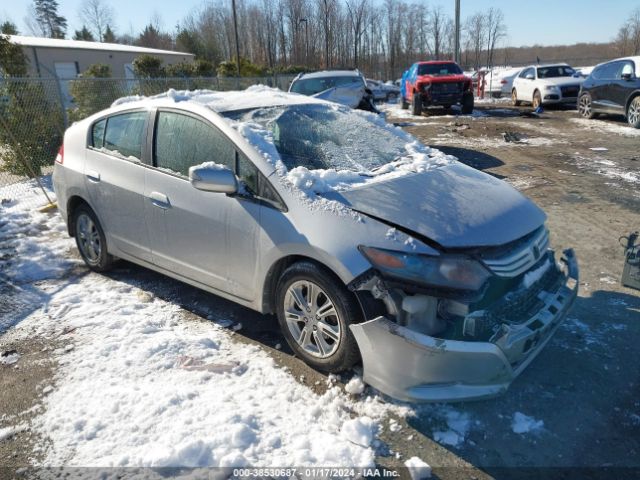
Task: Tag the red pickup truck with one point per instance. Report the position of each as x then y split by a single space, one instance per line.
436 83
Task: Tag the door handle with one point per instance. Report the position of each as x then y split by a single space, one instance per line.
93 176
160 200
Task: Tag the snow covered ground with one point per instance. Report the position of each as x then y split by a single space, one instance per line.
139 385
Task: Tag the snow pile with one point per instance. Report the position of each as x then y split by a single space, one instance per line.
140 385
9 359
418 469
355 386
458 424
358 431
522 423
8 432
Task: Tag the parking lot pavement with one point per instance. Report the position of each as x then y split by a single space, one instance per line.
578 404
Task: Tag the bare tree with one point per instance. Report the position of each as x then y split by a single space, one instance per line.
475 30
496 30
437 24
358 10
97 15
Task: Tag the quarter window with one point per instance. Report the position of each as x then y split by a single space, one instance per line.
97 134
123 135
182 141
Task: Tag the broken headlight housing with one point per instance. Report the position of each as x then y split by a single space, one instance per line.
455 272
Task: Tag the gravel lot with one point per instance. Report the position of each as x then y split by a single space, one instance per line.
577 405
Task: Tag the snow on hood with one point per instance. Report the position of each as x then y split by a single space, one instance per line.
561 81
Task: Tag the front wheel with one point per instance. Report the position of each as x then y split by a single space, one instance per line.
416 104
314 311
537 99
633 113
585 107
467 104
91 240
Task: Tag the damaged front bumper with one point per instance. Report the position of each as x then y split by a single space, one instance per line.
411 366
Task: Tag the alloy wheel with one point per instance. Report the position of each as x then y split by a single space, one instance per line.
633 114
584 106
89 237
312 319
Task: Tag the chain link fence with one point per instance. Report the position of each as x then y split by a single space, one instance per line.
35 112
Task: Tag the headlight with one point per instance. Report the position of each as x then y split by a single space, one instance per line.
551 87
447 271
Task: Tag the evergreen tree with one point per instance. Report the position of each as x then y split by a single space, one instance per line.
109 36
51 24
84 34
9 28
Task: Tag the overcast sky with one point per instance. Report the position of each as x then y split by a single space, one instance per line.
543 22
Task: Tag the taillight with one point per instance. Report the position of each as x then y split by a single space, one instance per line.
60 156
503 82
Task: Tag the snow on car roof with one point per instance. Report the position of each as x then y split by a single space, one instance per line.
331 73
256 96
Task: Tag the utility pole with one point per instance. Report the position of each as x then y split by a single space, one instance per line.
457 34
235 29
306 40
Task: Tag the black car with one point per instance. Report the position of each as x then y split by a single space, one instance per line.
613 87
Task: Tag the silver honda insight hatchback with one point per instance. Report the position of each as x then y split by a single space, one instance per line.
368 246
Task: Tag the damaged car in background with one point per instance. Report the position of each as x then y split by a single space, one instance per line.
366 244
346 87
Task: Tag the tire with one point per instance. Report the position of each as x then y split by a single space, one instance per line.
633 112
392 97
585 107
404 104
416 104
537 99
334 349
467 104
90 239
514 98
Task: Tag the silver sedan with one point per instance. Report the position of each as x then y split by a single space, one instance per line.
368 246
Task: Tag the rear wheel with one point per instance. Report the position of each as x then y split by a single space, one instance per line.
585 107
314 311
404 104
633 112
392 97
514 98
91 240
416 104
537 99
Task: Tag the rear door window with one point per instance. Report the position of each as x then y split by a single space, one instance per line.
182 141
607 71
124 135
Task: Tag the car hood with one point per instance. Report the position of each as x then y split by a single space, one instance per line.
562 81
454 206
442 78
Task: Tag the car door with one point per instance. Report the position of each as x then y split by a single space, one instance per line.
207 237
114 178
525 85
623 84
603 90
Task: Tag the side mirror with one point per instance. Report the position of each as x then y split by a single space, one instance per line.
626 76
529 76
213 178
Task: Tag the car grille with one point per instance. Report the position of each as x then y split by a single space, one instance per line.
570 90
446 87
520 257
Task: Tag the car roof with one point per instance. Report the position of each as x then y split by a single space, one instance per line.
544 65
330 73
257 96
435 62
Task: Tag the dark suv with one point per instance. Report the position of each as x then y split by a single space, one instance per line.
613 87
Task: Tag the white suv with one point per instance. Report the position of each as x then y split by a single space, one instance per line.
546 84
